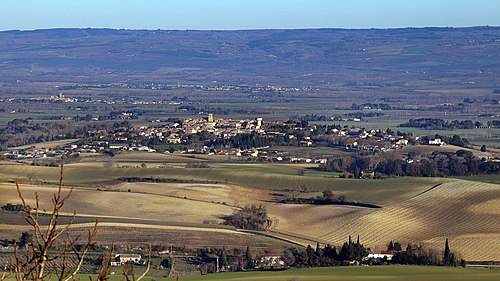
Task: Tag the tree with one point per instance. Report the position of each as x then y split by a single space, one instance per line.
31 264
449 258
357 172
328 195
53 242
483 148
223 258
446 255
249 259
390 247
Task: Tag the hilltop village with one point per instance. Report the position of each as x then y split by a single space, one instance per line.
252 138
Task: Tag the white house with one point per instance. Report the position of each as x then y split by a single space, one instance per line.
126 258
437 141
270 261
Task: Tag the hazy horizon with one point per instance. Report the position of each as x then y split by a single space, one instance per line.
246 15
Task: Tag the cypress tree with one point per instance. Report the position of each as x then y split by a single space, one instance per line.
223 257
390 247
249 259
447 254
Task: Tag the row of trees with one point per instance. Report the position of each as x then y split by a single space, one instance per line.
420 255
221 259
440 124
327 198
327 256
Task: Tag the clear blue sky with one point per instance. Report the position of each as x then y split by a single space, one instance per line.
246 14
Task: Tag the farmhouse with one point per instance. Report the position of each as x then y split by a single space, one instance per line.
381 256
270 261
126 258
437 141
122 146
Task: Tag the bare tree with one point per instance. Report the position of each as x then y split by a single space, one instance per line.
53 244
31 263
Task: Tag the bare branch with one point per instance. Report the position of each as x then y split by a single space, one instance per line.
33 265
6 274
149 265
92 234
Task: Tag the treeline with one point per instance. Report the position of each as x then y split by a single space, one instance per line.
440 124
359 114
419 255
14 208
355 252
369 105
328 198
229 260
438 164
327 256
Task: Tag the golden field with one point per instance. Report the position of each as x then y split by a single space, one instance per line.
417 210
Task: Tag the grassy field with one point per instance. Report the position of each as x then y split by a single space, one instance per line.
483 178
406 273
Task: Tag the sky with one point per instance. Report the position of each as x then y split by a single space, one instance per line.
245 14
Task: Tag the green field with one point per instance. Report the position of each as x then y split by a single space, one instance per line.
483 178
407 273
370 191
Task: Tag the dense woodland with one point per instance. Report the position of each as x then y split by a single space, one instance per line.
20 132
438 164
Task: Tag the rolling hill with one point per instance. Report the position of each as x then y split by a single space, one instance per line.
329 58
